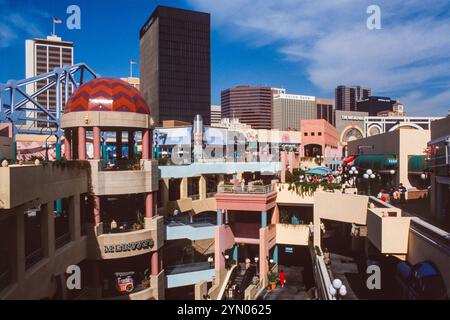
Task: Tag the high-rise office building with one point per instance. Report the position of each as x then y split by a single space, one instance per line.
348 96
175 64
290 109
251 105
42 56
374 105
216 113
325 110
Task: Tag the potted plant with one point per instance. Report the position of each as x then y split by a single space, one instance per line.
272 279
146 279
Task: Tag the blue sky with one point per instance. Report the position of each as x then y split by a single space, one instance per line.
306 46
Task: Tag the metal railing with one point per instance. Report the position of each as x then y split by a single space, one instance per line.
34 257
183 267
62 240
210 195
195 197
254 189
119 165
122 227
185 220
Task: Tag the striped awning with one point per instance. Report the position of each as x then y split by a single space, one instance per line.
376 162
417 165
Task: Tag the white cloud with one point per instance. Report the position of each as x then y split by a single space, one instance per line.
19 24
411 51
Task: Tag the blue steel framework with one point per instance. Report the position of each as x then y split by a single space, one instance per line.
18 105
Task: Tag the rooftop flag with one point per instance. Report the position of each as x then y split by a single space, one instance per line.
55 22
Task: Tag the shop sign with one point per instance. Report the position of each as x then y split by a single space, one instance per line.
133 246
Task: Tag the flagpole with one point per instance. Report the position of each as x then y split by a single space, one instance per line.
131 69
54 27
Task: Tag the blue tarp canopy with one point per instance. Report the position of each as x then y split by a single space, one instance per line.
319 170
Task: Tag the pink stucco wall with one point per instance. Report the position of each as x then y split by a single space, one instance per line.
328 138
224 239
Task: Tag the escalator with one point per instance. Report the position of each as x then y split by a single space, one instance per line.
239 282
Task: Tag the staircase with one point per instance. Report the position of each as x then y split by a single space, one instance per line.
242 278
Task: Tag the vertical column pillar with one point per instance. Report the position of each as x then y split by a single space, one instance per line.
48 230
236 253
155 203
155 263
275 255
97 217
219 217
81 143
58 149
97 143
202 187
74 142
263 219
283 166
146 149
119 144
74 217
291 161
149 205
227 217
68 144
131 145
183 188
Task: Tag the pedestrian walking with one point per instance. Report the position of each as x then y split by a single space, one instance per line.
282 278
402 190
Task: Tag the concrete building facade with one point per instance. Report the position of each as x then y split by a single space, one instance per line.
252 105
289 110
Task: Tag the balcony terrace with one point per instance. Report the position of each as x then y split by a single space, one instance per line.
124 178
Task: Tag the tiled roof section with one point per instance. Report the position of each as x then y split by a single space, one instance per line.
107 94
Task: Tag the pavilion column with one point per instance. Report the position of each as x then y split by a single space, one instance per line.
68 144
263 219
149 206
156 264
97 144
155 203
283 166
131 145
146 144
97 217
81 143
119 144
219 217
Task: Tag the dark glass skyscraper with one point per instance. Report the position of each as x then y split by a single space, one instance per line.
347 97
373 105
175 64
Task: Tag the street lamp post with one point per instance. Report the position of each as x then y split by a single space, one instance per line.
226 257
392 173
354 173
320 159
337 289
210 260
369 175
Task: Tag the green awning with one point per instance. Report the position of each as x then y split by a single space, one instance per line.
376 162
417 165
